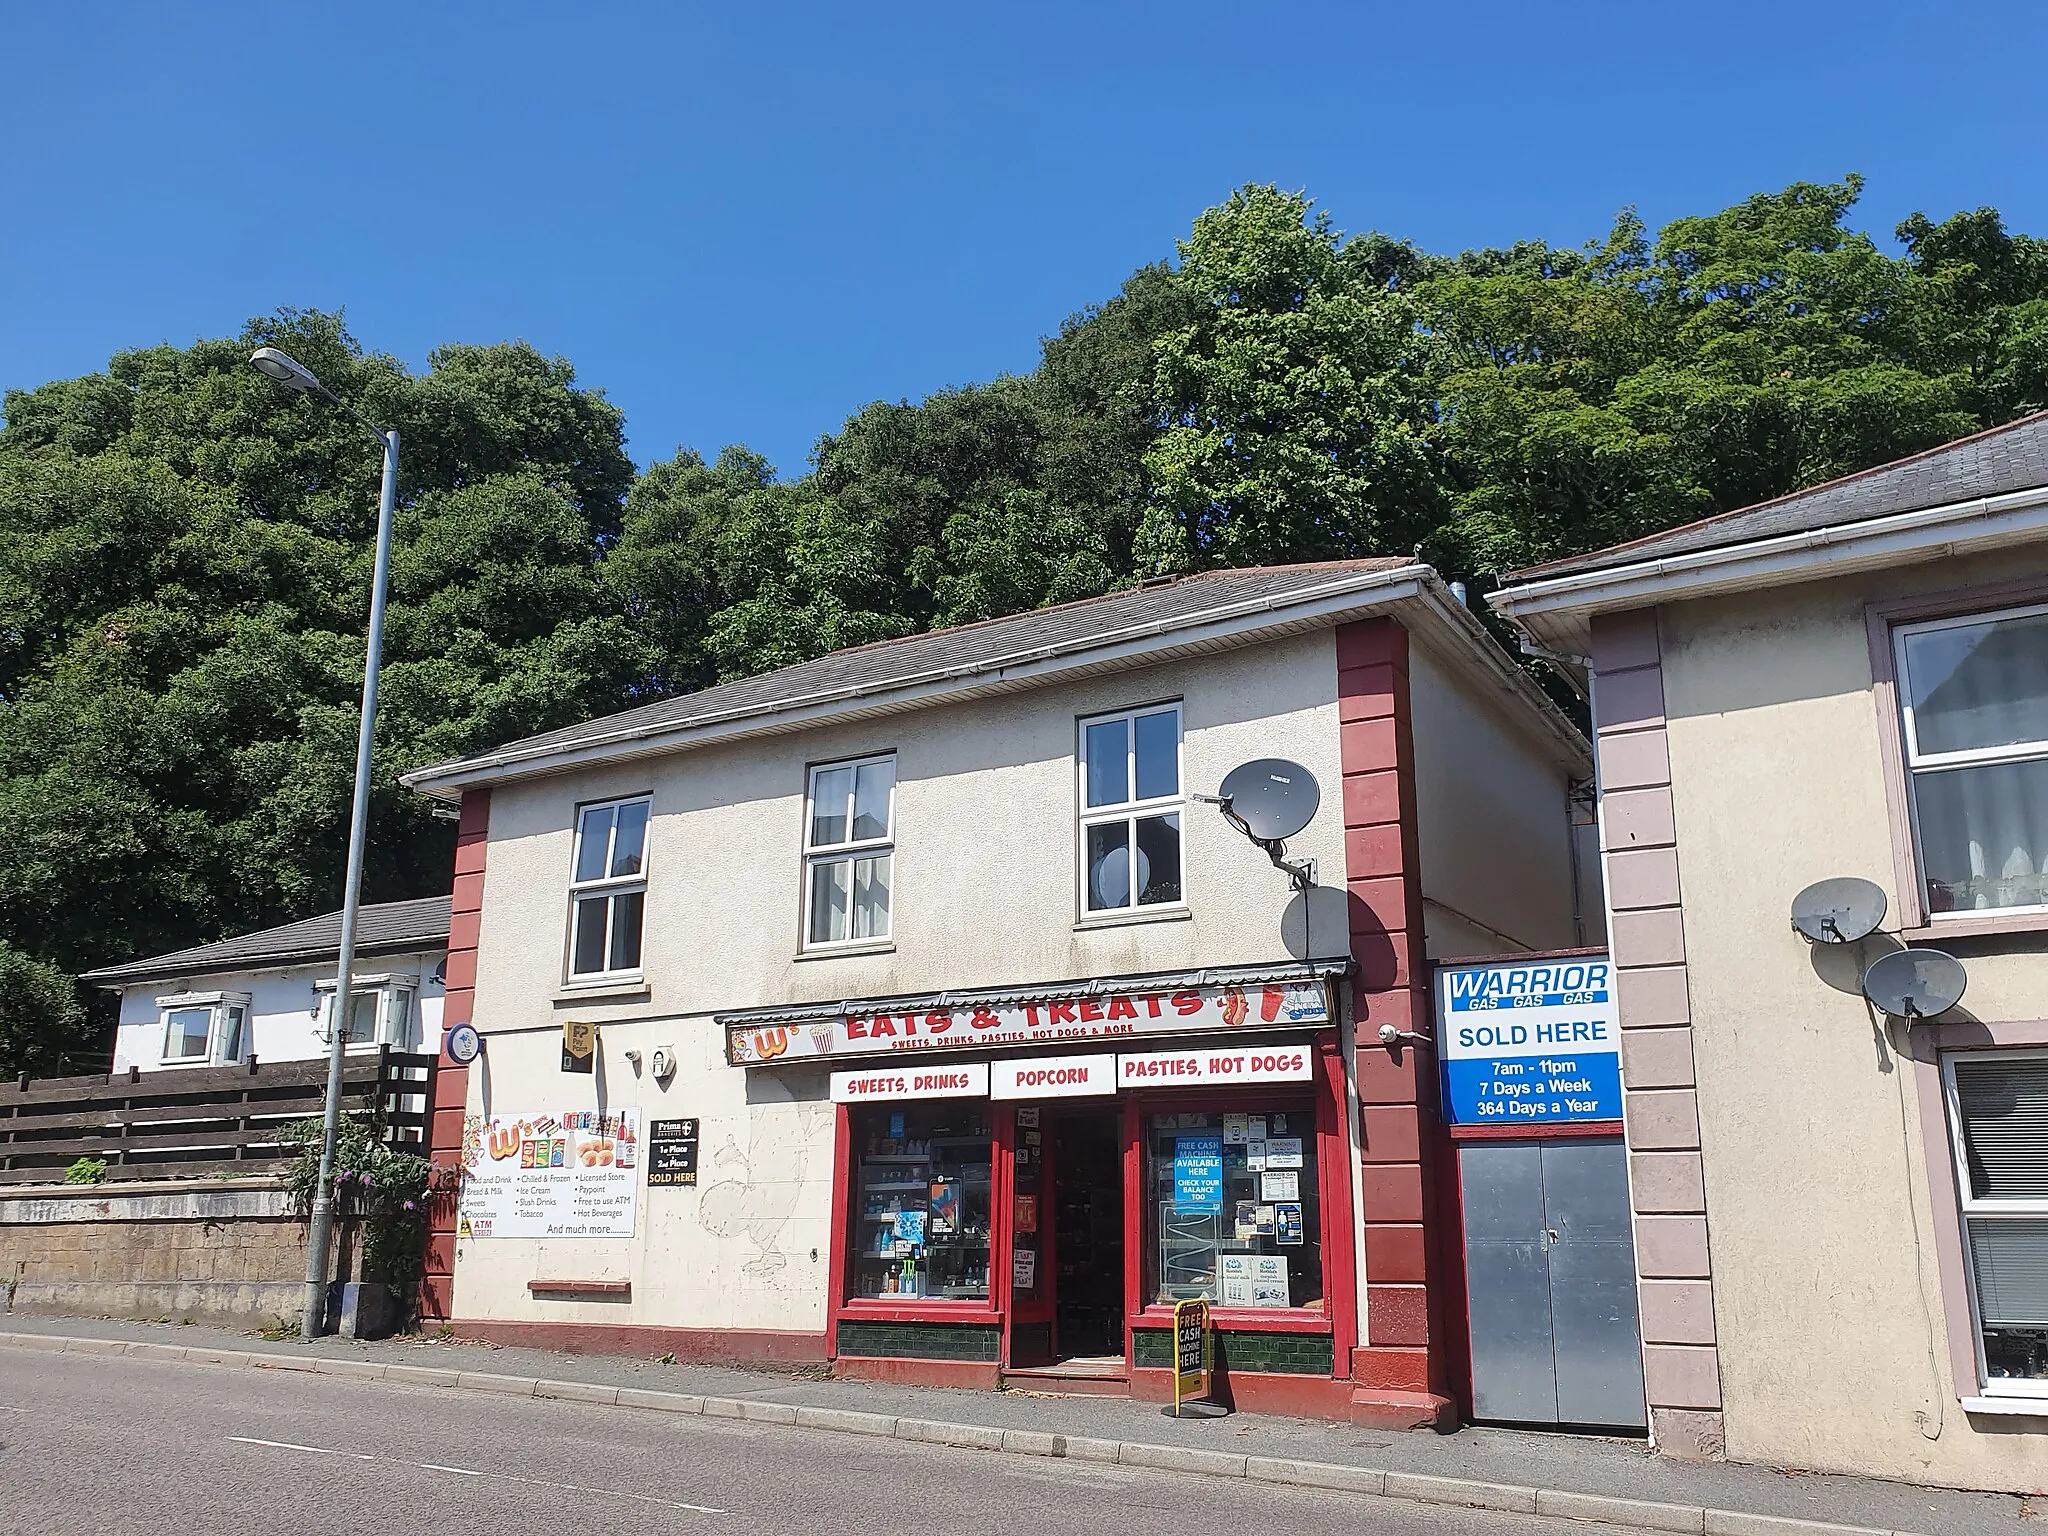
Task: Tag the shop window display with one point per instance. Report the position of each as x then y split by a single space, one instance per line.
1234 1211
922 1202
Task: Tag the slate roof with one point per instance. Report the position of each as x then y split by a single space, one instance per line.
966 648
381 928
2013 457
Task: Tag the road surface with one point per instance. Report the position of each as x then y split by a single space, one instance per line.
106 1446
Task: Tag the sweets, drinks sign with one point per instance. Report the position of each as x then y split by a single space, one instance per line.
539 1175
972 1027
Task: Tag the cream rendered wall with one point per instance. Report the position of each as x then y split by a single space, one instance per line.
1493 822
280 1009
1827 1298
985 895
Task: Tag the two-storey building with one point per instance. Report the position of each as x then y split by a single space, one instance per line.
1841 1215
917 1007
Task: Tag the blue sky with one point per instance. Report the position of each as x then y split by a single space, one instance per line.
745 222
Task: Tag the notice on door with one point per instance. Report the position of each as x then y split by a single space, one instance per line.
541 1175
1536 1043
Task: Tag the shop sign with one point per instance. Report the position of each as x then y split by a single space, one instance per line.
1190 1351
1533 1043
1197 1173
933 1080
671 1153
1225 1064
543 1175
1081 1017
1052 1077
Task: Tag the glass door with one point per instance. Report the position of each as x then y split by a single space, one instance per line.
1031 1260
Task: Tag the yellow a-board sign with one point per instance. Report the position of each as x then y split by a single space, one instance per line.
1190 1351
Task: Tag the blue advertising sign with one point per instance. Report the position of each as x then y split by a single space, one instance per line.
1536 1042
1198 1173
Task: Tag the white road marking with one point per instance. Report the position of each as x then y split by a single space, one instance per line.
501 1477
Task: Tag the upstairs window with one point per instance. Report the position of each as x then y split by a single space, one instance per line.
849 850
1998 1108
1974 699
202 1029
1131 806
608 889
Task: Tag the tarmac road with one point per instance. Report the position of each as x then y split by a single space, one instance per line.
102 1446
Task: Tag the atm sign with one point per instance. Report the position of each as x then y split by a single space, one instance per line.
1232 1064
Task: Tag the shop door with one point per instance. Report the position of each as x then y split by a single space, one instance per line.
1550 1282
1030 1326
1088 1236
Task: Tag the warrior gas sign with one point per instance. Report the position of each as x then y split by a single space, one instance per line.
1533 1043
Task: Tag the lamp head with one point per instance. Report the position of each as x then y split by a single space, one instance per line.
288 371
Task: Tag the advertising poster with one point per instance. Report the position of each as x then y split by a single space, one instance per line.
1198 1173
1535 1044
1280 1186
671 1153
542 1175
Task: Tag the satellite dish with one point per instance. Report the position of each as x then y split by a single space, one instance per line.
1271 798
1838 911
1915 983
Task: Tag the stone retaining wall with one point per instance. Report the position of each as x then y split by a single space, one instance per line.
227 1251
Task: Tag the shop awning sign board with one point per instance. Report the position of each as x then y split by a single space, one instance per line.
1216 1064
1053 1077
923 1080
1533 1042
1093 1015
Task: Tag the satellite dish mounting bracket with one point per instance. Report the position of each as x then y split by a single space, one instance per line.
1301 873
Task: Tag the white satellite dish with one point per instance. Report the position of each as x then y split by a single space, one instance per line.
1914 984
1838 911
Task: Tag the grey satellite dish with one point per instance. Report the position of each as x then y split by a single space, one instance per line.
1838 911
1915 983
1270 798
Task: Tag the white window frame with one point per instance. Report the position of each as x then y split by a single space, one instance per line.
219 1006
848 852
1131 811
1917 763
390 990
607 885
1974 1208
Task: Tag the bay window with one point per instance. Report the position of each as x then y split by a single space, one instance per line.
1973 696
380 1011
1131 810
205 1028
849 851
1998 1114
608 889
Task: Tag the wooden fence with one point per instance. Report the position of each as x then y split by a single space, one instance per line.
197 1122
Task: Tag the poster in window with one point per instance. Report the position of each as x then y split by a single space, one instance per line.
1198 1173
1289 1224
1024 1268
1255 1155
944 1207
1269 1280
1027 1213
1234 1279
1236 1130
1264 1221
1255 1130
1247 1225
1285 1185
1283 1151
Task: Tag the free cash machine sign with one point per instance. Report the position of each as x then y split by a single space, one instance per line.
1534 1042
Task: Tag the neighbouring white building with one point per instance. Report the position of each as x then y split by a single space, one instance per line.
269 995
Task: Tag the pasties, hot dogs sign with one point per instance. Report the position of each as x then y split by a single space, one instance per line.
1050 1020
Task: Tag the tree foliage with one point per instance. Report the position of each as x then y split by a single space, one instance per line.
184 548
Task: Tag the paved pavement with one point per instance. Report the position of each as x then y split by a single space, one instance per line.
1579 1464
104 1446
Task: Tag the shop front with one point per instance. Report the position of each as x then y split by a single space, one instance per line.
1026 1182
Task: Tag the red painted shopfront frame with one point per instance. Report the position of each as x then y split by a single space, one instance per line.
1323 1094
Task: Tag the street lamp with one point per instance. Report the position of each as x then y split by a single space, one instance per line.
293 374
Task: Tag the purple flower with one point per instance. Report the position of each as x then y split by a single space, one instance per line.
366 1178
409 1205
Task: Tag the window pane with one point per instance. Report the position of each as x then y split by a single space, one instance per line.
186 1031
362 1017
592 842
831 896
1108 767
871 898
924 1199
231 1036
1109 866
631 841
1979 685
1983 835
828 806
1158 859
871 800
1250 1247
586 956
2010 1255
1159 754
2004 1107
626 914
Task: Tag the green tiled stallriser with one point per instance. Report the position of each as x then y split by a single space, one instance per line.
1286 1354
919 1341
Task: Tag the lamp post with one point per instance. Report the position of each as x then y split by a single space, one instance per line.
293 374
